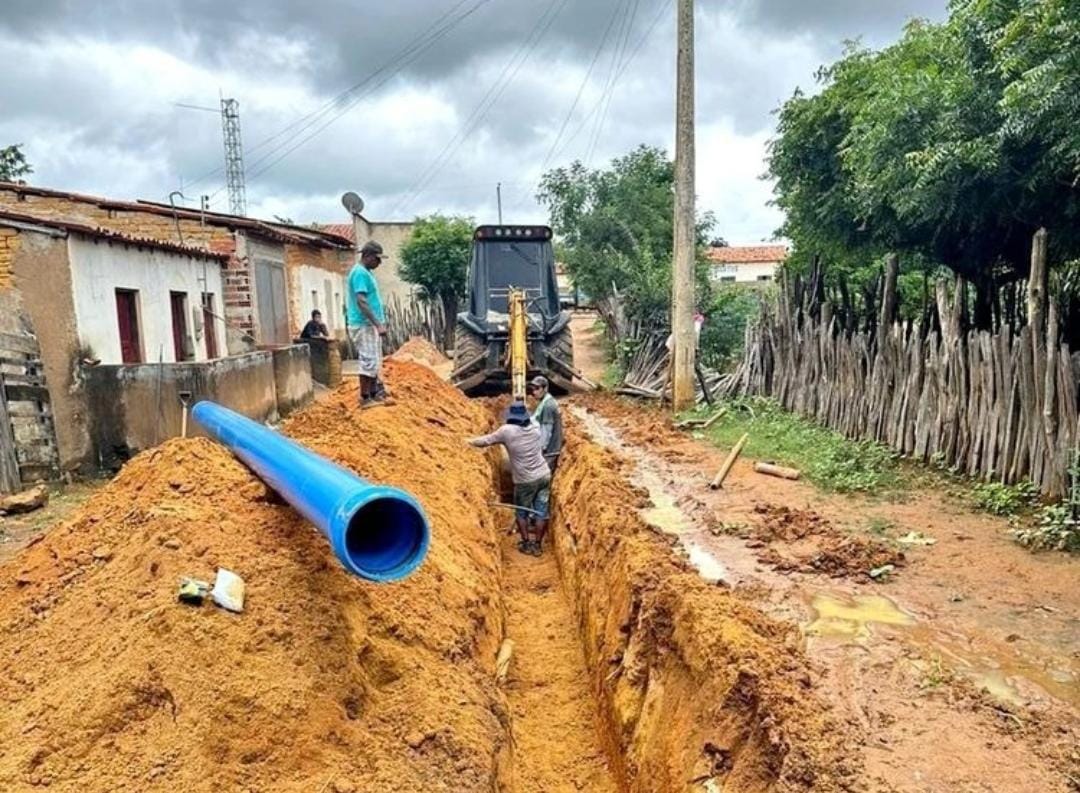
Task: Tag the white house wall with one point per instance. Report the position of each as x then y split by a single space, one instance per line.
744 273
99 268
313 295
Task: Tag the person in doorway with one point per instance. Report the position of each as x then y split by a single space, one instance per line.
530 472
548 419
367 324
315 328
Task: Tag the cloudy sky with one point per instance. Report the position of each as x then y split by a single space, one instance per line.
418 105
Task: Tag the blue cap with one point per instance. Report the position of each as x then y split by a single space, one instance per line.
518 413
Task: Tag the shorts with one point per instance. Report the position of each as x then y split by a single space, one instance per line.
368 345
533 496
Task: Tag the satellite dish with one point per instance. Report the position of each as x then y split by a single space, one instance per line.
352 202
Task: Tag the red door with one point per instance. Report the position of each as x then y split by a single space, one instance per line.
209 328
127 319
178 302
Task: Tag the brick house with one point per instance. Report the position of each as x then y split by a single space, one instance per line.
271 271
745 263
71 293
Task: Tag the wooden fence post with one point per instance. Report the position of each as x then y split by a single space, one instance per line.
10 481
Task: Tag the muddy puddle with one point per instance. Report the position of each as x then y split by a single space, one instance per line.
1004 672
666 513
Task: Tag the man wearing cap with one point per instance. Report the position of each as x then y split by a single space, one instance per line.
549 419
367 324
530 472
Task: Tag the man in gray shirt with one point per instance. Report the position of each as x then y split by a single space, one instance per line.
530 472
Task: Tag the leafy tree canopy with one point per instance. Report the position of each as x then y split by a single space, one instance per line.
13 163
436 258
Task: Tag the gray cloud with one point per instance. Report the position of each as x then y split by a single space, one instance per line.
92 87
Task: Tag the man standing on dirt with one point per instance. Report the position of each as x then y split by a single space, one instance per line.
530 472
367 324
549 419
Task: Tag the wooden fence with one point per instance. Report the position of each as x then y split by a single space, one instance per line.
998 406
414 317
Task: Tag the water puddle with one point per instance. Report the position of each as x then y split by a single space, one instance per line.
1002 671
664 513
852 617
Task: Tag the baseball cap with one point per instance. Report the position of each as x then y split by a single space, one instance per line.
373 248
539 382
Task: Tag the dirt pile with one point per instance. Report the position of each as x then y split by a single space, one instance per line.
698 686
325 683
419 350
802 540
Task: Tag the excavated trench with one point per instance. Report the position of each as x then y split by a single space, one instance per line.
607 665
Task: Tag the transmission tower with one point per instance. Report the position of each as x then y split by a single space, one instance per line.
234 156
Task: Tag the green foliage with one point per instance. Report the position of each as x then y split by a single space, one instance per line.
726 315
1055 529
615 229
826 458
950 146
436 255
1006 500
13 163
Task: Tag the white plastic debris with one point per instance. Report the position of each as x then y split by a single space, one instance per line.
228 591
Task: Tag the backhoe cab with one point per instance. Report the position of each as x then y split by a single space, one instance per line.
512 264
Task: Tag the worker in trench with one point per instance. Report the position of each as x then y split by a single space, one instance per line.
366 320
548 418
530 472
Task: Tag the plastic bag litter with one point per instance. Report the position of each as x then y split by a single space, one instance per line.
228 590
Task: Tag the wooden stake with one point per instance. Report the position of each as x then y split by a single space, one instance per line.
725 469
777 470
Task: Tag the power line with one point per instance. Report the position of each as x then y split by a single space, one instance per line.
630 59
621 55
307 120
584 82
509 72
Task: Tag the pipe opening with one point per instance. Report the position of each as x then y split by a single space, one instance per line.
386 538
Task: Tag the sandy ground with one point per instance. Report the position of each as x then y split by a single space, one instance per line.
17 531
589 354
961 672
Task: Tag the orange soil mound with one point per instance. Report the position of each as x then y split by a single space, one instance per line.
699 687
420 349
645 423
324 683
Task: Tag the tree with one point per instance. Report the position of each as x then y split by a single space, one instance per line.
615 227
13 163
436 258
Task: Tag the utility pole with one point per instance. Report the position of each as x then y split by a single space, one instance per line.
234 156
684 346
498 199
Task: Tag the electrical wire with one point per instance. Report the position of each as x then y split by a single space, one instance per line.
494 92
425 39
621 55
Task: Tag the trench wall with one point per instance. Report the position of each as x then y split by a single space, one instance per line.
700 690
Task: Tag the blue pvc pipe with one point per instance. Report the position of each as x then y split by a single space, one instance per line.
379 533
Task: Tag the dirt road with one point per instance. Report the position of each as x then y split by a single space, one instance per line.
589 353
961 672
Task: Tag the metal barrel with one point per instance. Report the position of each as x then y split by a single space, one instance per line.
379 533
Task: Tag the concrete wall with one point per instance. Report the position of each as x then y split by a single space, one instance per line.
292 378
308 292
100 267
392 236
137 407
43 279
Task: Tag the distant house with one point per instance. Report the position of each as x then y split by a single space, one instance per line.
271 269
71 293
745 263
392 235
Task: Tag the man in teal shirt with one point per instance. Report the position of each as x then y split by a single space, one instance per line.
367 324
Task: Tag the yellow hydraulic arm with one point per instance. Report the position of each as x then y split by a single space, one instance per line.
518 348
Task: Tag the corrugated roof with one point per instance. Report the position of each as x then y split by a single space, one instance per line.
278 231
15 218
748 254
345 230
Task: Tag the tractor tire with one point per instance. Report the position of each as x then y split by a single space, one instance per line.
467 345
562 345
